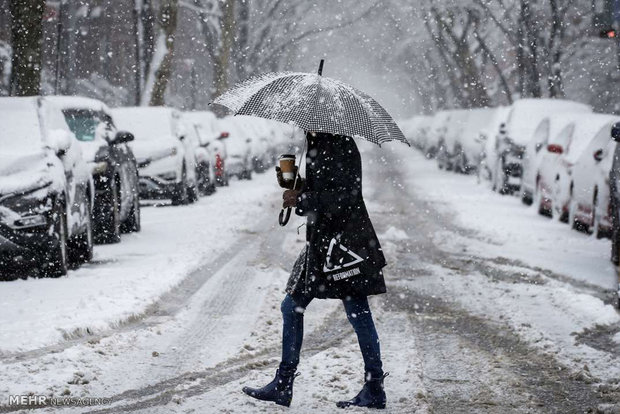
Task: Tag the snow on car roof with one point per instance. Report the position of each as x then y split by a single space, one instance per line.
147 123
19 123
200 116
477 120
78 102
587 127
414 124
526 114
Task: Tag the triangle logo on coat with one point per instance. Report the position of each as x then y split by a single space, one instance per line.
329 266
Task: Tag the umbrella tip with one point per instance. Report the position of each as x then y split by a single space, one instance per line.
321 67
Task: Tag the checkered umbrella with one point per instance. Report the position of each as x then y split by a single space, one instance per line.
313 103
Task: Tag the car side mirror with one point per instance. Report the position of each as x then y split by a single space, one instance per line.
60 141
122 137
555 148
615 131
598 155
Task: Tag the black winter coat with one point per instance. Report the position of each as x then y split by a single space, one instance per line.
342 256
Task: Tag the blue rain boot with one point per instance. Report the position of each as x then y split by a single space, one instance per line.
372 394
280 390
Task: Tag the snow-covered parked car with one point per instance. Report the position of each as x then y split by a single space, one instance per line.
489 136
205 159
113 165
537 149
590 204
166 164
210 137
523 118
614 196
238 148
468 146
448 146
46 189
436 133
554 180
416 130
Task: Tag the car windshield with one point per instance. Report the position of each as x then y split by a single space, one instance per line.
83 123
147 124
20 131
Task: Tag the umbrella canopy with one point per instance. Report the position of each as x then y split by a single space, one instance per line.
313 103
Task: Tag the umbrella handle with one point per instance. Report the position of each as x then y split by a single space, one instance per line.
283 219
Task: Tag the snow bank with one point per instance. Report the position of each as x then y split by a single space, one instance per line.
125 278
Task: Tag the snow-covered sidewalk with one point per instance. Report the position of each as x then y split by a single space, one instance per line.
505 227
124 279
506 264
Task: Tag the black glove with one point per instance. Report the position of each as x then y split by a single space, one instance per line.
290 198
289 184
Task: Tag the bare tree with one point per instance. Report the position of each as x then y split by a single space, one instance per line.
26 32
160 67
452 29
223 55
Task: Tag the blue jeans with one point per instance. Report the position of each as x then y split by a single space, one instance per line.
358 314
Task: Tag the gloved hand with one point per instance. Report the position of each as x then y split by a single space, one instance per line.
290 198
288 184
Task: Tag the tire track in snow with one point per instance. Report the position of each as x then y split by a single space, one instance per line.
164 308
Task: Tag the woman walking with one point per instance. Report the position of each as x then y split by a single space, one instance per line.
342 260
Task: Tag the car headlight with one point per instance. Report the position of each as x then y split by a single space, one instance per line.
30 207
30 221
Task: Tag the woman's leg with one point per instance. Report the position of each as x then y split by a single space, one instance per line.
358 313
292 332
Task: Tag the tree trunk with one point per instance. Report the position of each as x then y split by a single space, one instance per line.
160 69
529 52
26 32
222 59
241 49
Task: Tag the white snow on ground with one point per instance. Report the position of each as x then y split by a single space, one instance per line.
242 326
328 376
125 278
546 311
393 233
507 228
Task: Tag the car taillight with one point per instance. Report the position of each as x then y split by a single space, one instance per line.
218 162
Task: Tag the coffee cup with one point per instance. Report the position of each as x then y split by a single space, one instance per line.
287 166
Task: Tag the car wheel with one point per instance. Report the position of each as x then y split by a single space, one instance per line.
133 221
574 222
81 246
539 200
181 196
56 259
194 194
108 217
596 220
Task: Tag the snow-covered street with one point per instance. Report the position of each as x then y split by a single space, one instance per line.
481 315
